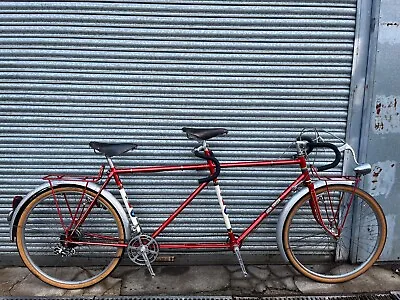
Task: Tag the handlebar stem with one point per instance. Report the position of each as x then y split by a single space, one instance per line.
209 162
212 162
301 148
202 147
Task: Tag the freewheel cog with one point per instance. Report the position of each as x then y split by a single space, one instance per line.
140 245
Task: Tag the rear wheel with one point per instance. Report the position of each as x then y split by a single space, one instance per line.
63 256
349 213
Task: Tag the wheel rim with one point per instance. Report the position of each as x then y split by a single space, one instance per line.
62 263
308 245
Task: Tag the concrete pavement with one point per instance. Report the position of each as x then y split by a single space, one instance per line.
211 280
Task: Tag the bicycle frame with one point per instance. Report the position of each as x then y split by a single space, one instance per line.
234 241
86 214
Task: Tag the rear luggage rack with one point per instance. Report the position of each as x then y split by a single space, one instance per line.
88 178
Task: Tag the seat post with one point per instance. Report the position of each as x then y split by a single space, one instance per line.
114 173
110 162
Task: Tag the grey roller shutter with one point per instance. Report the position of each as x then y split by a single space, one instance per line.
73 72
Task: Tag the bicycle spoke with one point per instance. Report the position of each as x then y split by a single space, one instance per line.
51 251
357 241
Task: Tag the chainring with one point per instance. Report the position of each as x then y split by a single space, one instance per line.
138 245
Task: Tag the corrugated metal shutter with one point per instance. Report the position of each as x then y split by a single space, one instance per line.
72 72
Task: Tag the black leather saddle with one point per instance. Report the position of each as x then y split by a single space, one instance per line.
203 133
110 149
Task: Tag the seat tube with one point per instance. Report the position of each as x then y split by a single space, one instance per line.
221 203
128 207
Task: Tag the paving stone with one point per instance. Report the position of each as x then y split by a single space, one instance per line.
274 283
375 280
241 284
199 280
108 287
258 272
263 266
308 286
260 288
121 271
9 277
239 275
282 271
233 268
32 286
289 284
176 280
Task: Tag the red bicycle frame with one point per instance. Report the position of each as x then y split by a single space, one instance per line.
115 173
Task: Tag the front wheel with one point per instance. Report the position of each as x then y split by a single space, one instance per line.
350 241
64 255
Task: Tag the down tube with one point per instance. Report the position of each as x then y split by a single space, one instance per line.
270 208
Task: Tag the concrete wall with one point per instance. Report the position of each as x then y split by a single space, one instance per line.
380 135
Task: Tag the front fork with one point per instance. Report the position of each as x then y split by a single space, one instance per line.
333 216
315 207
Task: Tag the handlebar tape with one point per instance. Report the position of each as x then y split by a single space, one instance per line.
335 149
216 163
